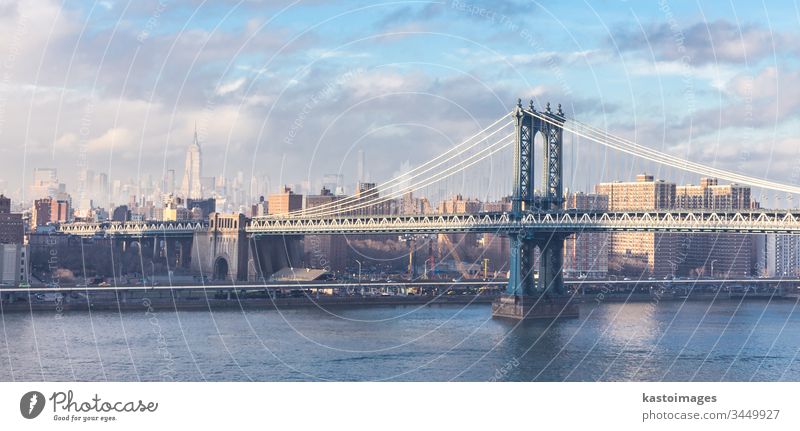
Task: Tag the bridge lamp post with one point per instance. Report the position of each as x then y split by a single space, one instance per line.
359 271
712 267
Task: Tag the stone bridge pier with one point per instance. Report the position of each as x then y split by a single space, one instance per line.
220 253
226 252
269 254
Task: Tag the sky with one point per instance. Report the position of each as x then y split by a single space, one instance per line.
289 91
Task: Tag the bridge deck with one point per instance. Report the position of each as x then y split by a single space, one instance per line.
787 222
566 221
688 282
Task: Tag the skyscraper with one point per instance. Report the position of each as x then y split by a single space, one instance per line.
284 202
732 253
586 253
40 213
168 182
45 183
329 252
191 188
638 253
5 205
782 255
11 230
362 176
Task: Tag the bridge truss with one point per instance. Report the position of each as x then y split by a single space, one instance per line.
150 228
569 221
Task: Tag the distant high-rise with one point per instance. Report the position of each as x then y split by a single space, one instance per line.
60 211
635 253
782 255
121 214
41 213
45 183
85 180
459 205
5 205
206 206
284 202
368 202
361 166
101 183
329 252
168 183
11 229
586 253
191 187
732 253
332 182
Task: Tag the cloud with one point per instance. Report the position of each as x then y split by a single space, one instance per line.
230 86
68 142
584 58
407 14
702 43
715 75
118 138
764 100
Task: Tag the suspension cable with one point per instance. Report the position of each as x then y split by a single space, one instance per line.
626 146
448 172
425 167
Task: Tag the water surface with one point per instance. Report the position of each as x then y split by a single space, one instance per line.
726 340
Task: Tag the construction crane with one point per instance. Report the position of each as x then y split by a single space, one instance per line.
454 252
411 243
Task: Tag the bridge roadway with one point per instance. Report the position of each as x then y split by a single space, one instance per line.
134 228
787 222
543 221
403 284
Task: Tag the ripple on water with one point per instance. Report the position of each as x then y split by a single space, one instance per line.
636 341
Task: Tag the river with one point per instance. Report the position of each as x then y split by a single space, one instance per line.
675 341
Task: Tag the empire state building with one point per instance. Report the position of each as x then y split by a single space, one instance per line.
190 188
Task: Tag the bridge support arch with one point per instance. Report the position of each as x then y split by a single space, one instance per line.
533 294
221 270
225 241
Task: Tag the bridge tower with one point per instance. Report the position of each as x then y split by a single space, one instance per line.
525 298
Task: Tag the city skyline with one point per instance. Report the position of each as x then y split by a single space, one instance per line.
276 107
95 190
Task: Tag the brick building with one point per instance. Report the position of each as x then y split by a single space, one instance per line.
641 253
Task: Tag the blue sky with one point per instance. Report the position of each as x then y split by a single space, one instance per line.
120 85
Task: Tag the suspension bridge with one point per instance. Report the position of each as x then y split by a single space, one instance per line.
537 219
